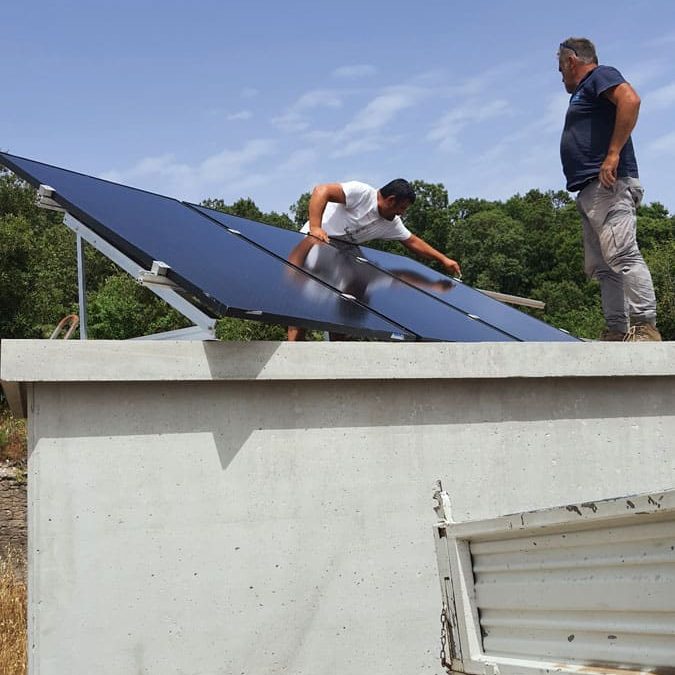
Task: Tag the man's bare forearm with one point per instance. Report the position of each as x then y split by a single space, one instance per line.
626 118
317 206
421 248
321 195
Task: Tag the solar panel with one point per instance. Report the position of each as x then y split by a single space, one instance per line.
401 288
466 299
238 267
338 265
226 273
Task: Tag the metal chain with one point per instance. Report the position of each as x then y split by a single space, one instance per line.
444 639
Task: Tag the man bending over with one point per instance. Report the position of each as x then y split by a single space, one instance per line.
358 213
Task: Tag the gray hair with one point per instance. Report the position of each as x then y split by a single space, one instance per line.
582 48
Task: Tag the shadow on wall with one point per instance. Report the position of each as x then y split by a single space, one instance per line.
233 410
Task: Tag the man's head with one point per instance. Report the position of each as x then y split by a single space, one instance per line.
394 198
576 57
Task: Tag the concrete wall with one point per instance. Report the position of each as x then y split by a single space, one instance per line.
266 508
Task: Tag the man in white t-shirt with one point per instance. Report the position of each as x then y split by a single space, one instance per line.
357 213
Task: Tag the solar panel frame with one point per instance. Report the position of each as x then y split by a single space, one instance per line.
457 326
361 321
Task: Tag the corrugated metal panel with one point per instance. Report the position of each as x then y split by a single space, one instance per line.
603 595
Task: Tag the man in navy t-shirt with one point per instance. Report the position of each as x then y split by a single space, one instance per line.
599 164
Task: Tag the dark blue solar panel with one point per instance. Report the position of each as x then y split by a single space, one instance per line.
344 265
466 299
337 265
225 272
270 274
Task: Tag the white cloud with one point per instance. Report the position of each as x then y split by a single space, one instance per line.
510 146
554 116
219 172
359 146
295 118
447 129
299 159
665 39
642 72
661 98
484 83
318 98
235 189
383 108
318 136
229 162
291 121
365 131
241 115
354 72
664 145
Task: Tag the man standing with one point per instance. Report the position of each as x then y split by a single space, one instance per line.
599 163
357 213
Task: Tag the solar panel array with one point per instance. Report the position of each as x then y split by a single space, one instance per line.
237 267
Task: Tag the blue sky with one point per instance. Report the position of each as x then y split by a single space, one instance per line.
266 99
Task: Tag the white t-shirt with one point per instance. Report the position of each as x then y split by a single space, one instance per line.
358 220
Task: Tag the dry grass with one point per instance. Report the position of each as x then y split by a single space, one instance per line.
12 618
12 438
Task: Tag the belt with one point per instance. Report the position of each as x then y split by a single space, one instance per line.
580 186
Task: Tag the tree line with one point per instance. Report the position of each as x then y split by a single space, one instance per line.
528 245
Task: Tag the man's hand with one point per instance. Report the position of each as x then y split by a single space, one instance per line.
608 169
321 195
420 247
319 233
453 267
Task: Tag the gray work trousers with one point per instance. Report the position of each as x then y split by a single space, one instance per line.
612 255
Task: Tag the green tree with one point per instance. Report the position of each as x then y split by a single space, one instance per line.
121 309
243 330
493 249
247 208
661 262
300 209
428 217
16 251
38 256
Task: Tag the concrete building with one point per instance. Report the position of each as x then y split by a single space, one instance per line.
266 508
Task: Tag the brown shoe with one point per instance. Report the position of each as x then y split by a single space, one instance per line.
643 332
609 335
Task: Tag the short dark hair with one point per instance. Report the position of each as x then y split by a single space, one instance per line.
583 49
399 188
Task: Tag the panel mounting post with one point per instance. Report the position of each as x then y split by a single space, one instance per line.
82 286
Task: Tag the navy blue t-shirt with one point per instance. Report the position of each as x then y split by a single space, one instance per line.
589 125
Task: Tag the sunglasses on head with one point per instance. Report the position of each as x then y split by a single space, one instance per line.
565 45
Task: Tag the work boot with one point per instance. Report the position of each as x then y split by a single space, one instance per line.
609 335
643 332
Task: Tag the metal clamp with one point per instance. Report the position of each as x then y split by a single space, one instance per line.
45 199
157 275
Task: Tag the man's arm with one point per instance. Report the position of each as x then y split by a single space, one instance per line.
421 248
321 195
627 103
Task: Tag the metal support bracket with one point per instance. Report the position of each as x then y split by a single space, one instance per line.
157 275
154 279
45 199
